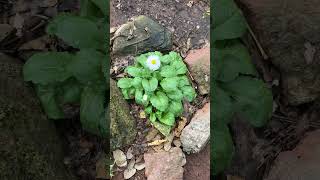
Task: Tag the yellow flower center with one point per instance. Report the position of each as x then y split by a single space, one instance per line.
153 61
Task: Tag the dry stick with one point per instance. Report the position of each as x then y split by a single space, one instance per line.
263 53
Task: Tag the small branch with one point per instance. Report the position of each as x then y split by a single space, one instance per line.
263 53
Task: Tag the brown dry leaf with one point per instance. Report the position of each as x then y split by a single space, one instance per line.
152 134
142 115
167 145
101 168
181 124
157 142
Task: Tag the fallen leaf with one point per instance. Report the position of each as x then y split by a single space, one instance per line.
151 134
181 124
157 142
167 145
120 158
129 153
130 171
140 166
142 115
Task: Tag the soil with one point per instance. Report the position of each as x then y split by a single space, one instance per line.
190 26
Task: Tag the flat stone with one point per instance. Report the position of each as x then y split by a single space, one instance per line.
165 165
199 66
300 163
122 124
141 35
196 134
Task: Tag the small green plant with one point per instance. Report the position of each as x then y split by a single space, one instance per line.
159 83
236 85
80 75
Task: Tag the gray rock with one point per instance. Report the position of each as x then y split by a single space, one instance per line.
122 125
290 35
141 35
196 135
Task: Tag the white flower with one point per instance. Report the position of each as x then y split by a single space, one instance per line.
153 62
145 97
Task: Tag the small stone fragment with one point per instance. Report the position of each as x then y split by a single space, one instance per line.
120 158
177 142
196 135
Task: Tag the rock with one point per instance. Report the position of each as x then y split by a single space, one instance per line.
122 125
198 165
196 135
164 165
300 163
290 36
199 66
119 158
5 30
141 35
30 147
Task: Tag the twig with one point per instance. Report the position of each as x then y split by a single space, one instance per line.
263 53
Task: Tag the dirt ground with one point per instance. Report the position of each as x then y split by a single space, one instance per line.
190 26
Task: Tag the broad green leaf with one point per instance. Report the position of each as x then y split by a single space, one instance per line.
164 129
175 95
168 71
160 101
150 85
103 5
166 59
92 111
148 110
253 99
228 22
124 83
77 31
222 149
168 119
47 68
233 59
86 66
153 117
138 72
223 106
125 93
189 93
137 82
183 81
89 9
176 108
47 95
175 56
169 84
179 67
70 91
159 114
139 96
